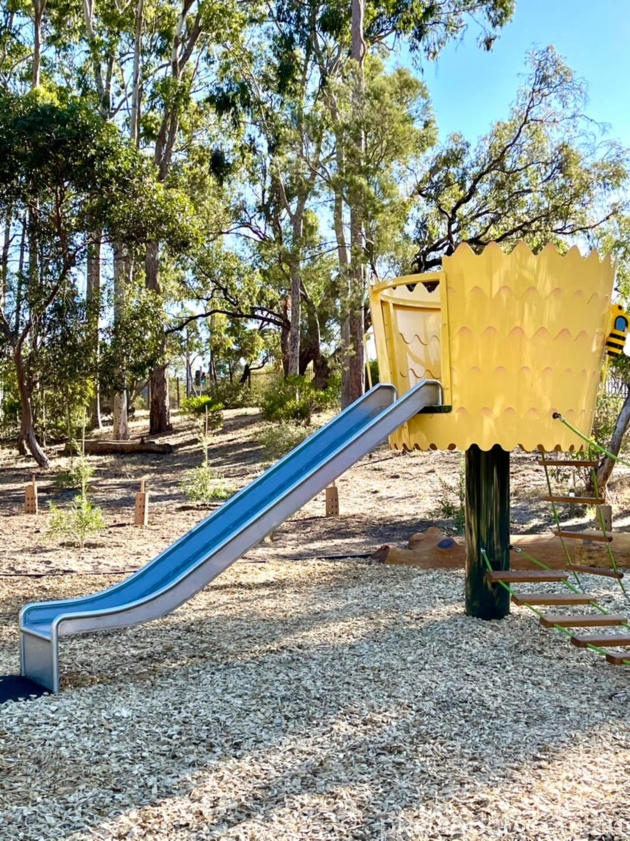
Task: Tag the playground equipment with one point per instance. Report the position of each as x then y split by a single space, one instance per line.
513 338
517 341
243 521
485 355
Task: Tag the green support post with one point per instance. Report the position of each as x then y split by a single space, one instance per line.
487 527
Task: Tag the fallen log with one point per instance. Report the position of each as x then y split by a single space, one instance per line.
433 549
122 447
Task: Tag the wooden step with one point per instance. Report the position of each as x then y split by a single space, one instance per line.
527 575
618 658
575 500
582 620
605 571
600 640
596 537
570 462
550 598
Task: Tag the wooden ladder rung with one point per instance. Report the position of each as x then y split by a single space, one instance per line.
570 462
595 537
582 620
527 575
577 500
601 641
618 658
550 598
607 573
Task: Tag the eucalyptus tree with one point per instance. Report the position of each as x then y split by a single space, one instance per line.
541 175
347 34
272 91
61 168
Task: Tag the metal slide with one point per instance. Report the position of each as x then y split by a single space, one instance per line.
205 551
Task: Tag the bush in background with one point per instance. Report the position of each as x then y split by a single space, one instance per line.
280 438
205 408
296 399
235 395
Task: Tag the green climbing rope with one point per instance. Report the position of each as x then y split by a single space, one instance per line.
556 518
590 441
538 613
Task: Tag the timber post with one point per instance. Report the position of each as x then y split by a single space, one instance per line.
30 497
332 501
488 528
141 511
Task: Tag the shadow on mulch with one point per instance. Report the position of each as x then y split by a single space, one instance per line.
18 688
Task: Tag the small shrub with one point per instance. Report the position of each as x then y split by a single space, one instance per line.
201 485
77 475
451 503
206 408
76 522
80 519
374 374
234 395
295 399
280 438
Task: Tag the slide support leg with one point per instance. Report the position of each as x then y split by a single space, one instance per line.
39 660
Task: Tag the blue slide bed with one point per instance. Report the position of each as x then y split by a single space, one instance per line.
205 551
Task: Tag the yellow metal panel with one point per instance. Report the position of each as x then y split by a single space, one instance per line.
514 337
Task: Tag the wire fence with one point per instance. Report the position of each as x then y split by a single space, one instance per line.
617 387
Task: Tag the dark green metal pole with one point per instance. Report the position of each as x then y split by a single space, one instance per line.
487 527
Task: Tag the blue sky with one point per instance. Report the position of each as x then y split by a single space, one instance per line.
471 88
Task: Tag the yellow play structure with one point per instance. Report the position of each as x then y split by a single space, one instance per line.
518 342
513 338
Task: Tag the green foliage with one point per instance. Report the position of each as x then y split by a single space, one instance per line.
77 522
296 399
451 502
280 438
78 475
204 407
374 373
607 411
133 345
201 485
233 395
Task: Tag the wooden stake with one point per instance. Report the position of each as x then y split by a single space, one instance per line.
30 498
488 528
141 516
332 501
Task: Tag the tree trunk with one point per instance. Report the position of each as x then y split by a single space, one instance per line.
134 121
295 306
93 299
353 383
310 349
284 337
606 466
27 439
353 371
122 275
38 14
159 409
488 528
